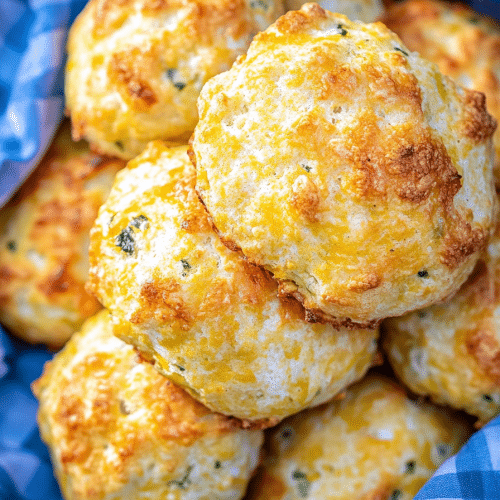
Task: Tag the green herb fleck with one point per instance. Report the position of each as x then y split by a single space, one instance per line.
443 450
11 246
473 20
307 168
343 31
119 145
487 397
410 467
395 495
217 464
96 161
184 482
423 273
303 484
173 76
287 433
123 408
421 314
399 49
259 3
125 240
140 222
186 266
181 368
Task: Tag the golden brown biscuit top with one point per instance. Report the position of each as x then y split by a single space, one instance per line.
44 235
170 290
207 17
103 410
135 68
451 351
465 45
370 444
211 321
367 153
66 193
362 10
482 289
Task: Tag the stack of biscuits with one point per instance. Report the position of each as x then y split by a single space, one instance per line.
289 216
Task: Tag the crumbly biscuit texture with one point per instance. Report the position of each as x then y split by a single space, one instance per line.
451 351
348 166
356 10
118 430
374 444
208 319
465 46
44 238
135 68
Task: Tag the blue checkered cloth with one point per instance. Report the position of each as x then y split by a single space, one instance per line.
32 39
25 467
472 474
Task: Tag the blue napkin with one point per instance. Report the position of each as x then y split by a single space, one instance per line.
25 468
32 38
472 474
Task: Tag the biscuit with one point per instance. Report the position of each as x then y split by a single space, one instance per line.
465 46
361 10
135 68
373 444
451 351
347 166
44 238
116 429
209 320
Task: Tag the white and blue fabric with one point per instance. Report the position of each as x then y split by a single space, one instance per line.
32 39
25 468
472 474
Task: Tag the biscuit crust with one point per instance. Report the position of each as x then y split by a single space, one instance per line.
451 351
362 10
44 238
347 166
464 45
207 318
104 413
135 68
374 444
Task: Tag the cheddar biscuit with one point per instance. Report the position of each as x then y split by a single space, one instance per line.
44 237
451 351
135 68
209 320
373 444
117 429
362 10
347 166
464 44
